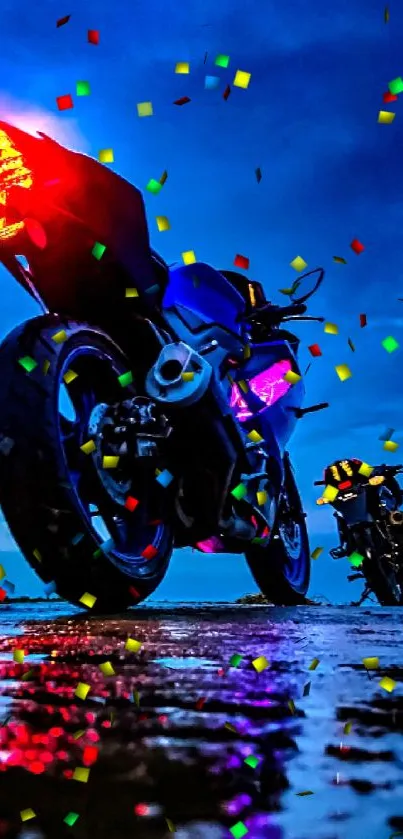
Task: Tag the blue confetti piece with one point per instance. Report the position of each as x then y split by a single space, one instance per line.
164 478
50 588
211 82
8 587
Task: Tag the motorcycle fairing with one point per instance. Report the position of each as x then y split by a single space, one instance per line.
204 297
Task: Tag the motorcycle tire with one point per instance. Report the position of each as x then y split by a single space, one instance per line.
45 498
381 582
282 568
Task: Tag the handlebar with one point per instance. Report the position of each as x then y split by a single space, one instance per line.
273 315
393 470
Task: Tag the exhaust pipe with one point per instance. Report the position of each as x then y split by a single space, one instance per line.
396 518
180 377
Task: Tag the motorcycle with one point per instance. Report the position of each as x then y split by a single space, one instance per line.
366 501
148 407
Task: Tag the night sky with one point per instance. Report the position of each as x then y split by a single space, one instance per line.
331 174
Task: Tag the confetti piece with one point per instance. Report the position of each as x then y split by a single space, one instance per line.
396 86
107 669
182 101
387 434
189 257
37 555
145 109
88 447
356 559
81 774
239 492
371 663
351 345
260 663
255 437
170 825
241 261
125 379
200 702
235 660
182 67
64 103
389 97
343 371
106 156
163 223
357 246
340 260
243 386
230 727
71 818
292 289
69 376
136 697
261 497
386 16
154 186
306 792
314 663
78 734
62 21
386 117
222 61
292 378
18 656
187 377
390 446
131 292
164 478
46 367
252 761
291 706
226 93
28 363
387 684
205 57
316 553
133 646
27 814
331 329
93 37
298 263
242 79
88 600
82 690
163 178
60 337
131 503
98 250
307 689
83 89
365 469
2 572
149 552
347 728
315 350
390 344
330 493
239 830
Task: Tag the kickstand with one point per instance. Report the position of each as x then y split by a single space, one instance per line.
367 591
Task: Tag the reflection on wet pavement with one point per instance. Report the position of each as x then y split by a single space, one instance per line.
173 737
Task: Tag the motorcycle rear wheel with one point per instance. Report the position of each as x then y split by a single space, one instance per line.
282 568
74 534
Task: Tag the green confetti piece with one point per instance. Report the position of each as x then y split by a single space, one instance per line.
306 792
71 819
252 761
356 559
239 830
98 250
396 86
83 89
239 491
390 344
28 363
154 186
125 379
235 660
222 61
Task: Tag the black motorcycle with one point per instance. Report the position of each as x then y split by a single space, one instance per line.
370 524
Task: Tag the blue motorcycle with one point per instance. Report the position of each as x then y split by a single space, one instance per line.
148 407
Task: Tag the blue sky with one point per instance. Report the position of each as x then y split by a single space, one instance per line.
331 173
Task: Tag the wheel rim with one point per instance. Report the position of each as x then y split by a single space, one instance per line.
122 535
291 534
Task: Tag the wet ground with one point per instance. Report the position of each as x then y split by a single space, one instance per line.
177 739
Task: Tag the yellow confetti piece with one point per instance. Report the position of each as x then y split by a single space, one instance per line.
366 470
260 663
386 117
305 792
182 67
188 377
27 814
171 826
106 156
262 497
340 260
88 447
163 178
107 669
230 727
82 690
18 656
331 329
371 663
247 352
386 15
81 773
243 386
242 79
163 223
343 371
88 600
78 734
110 461
46 367
145 109
60 337
390 446
314 663
69 376
2 572
255 437
131 292
330 493
347 728
291 706
189 257
132 645
291 377
387 684
298 263
316 553
37 555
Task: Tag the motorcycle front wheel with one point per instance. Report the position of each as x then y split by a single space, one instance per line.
78 536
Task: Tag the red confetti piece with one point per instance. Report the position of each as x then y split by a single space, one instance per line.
131 503
64 102
315 350
363 320
63 20
356 246
149 552
90 755
183 101
3 595
134 593
389 97
226 93
93 37
200 702
241 261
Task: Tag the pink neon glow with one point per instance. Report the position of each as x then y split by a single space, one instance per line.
211 545
269 386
